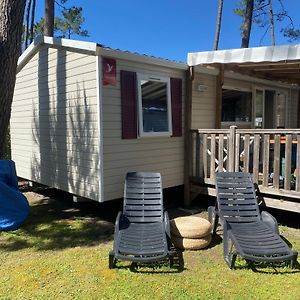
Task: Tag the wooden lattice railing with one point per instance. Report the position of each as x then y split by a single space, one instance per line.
271 155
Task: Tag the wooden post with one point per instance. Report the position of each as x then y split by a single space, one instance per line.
205 163
212 156
288 162
266 157
231 148
219 85
246 153
276 161
221 153
237 153
197 154
298 114
256 150
187 126
298 164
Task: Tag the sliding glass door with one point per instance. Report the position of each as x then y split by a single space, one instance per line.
259 96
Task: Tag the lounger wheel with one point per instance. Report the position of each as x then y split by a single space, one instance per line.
111 260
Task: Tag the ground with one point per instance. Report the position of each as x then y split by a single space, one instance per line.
61 252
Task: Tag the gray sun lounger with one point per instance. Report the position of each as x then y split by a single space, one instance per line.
246 232
142 230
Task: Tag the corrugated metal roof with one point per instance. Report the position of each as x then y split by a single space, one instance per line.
139 54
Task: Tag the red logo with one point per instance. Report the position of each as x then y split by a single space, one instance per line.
109 71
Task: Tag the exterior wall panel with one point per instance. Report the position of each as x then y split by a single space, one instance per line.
157 154
54 123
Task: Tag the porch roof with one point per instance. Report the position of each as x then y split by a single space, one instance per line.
279 63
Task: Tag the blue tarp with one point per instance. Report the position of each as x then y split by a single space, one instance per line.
14 207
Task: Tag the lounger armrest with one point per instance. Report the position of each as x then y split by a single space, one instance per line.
269 220
116 234
117 223
167 224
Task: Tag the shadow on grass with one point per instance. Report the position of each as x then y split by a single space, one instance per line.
174 264
215 241
59 224
271 268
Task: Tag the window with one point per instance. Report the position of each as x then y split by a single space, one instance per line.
236 106
154 106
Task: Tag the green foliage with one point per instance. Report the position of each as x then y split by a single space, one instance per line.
241 8
68 25
261 17
71 23
291 34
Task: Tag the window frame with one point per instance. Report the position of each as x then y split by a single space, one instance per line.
242 124
157 78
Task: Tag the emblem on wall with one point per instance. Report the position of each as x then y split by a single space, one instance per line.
109 71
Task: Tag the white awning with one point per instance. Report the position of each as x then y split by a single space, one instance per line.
279 63
243 55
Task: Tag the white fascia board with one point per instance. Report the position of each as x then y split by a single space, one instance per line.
141 58
29 52
256 54
73 44
54 42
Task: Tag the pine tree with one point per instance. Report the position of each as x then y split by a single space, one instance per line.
49 18
11 18
218 27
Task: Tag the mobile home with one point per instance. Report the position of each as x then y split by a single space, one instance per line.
84 115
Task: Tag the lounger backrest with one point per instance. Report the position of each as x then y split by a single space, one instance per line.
143 199
236 197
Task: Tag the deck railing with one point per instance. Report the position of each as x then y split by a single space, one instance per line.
271 155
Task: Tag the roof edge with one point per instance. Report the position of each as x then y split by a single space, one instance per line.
141 58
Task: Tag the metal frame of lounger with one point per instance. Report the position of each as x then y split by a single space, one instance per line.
254 235
142 230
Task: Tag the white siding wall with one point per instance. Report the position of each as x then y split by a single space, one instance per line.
204 103
163 154
54 123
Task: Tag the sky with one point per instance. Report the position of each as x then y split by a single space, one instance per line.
169 28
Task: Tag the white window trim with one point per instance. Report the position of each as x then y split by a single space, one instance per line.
140 108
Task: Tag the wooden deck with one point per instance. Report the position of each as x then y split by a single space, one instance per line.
271 155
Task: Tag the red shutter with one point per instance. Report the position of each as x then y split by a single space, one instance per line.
176 101
129 104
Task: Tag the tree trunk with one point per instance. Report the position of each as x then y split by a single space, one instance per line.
11 18
49 18
26 29
272 23
32 21
218 28
246 28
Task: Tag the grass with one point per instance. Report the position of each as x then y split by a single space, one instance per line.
61 252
